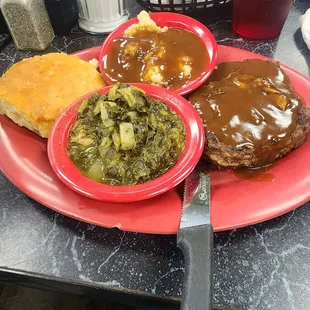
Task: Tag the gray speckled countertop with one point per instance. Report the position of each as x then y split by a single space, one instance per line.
266 266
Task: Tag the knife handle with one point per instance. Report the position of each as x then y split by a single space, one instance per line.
196 244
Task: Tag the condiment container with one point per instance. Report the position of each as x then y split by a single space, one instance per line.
63 15
101 16
29 23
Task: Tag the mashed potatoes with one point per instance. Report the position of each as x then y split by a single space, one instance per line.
162 56
145 24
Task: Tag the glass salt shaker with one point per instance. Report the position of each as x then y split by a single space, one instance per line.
101 16
28 23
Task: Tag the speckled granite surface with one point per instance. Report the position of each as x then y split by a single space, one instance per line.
261 267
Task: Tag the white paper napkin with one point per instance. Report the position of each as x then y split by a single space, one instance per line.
304 21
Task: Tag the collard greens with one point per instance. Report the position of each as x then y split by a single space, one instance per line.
125 137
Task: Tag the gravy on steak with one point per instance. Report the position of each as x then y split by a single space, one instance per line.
249 104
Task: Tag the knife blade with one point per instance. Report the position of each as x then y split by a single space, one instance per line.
195 239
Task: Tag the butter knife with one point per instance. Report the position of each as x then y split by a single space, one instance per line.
195 239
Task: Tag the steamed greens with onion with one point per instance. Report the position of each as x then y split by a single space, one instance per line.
125 137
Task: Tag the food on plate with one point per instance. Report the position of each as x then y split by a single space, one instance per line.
167 57
125 137
252 115
145 23
34 91
94 62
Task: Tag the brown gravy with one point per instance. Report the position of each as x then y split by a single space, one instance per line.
249 104
256 175
169 59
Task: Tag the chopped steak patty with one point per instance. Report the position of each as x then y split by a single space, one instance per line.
252 115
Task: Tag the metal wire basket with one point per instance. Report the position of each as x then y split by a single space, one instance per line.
180 6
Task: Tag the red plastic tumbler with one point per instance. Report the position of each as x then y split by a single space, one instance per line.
259 19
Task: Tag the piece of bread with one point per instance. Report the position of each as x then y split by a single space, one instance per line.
34 91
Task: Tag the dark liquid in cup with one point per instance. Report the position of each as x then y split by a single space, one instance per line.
260 19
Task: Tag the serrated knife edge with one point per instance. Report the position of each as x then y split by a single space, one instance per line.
196 199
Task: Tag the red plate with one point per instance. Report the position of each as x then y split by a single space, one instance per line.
234 202
172 20
69 174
